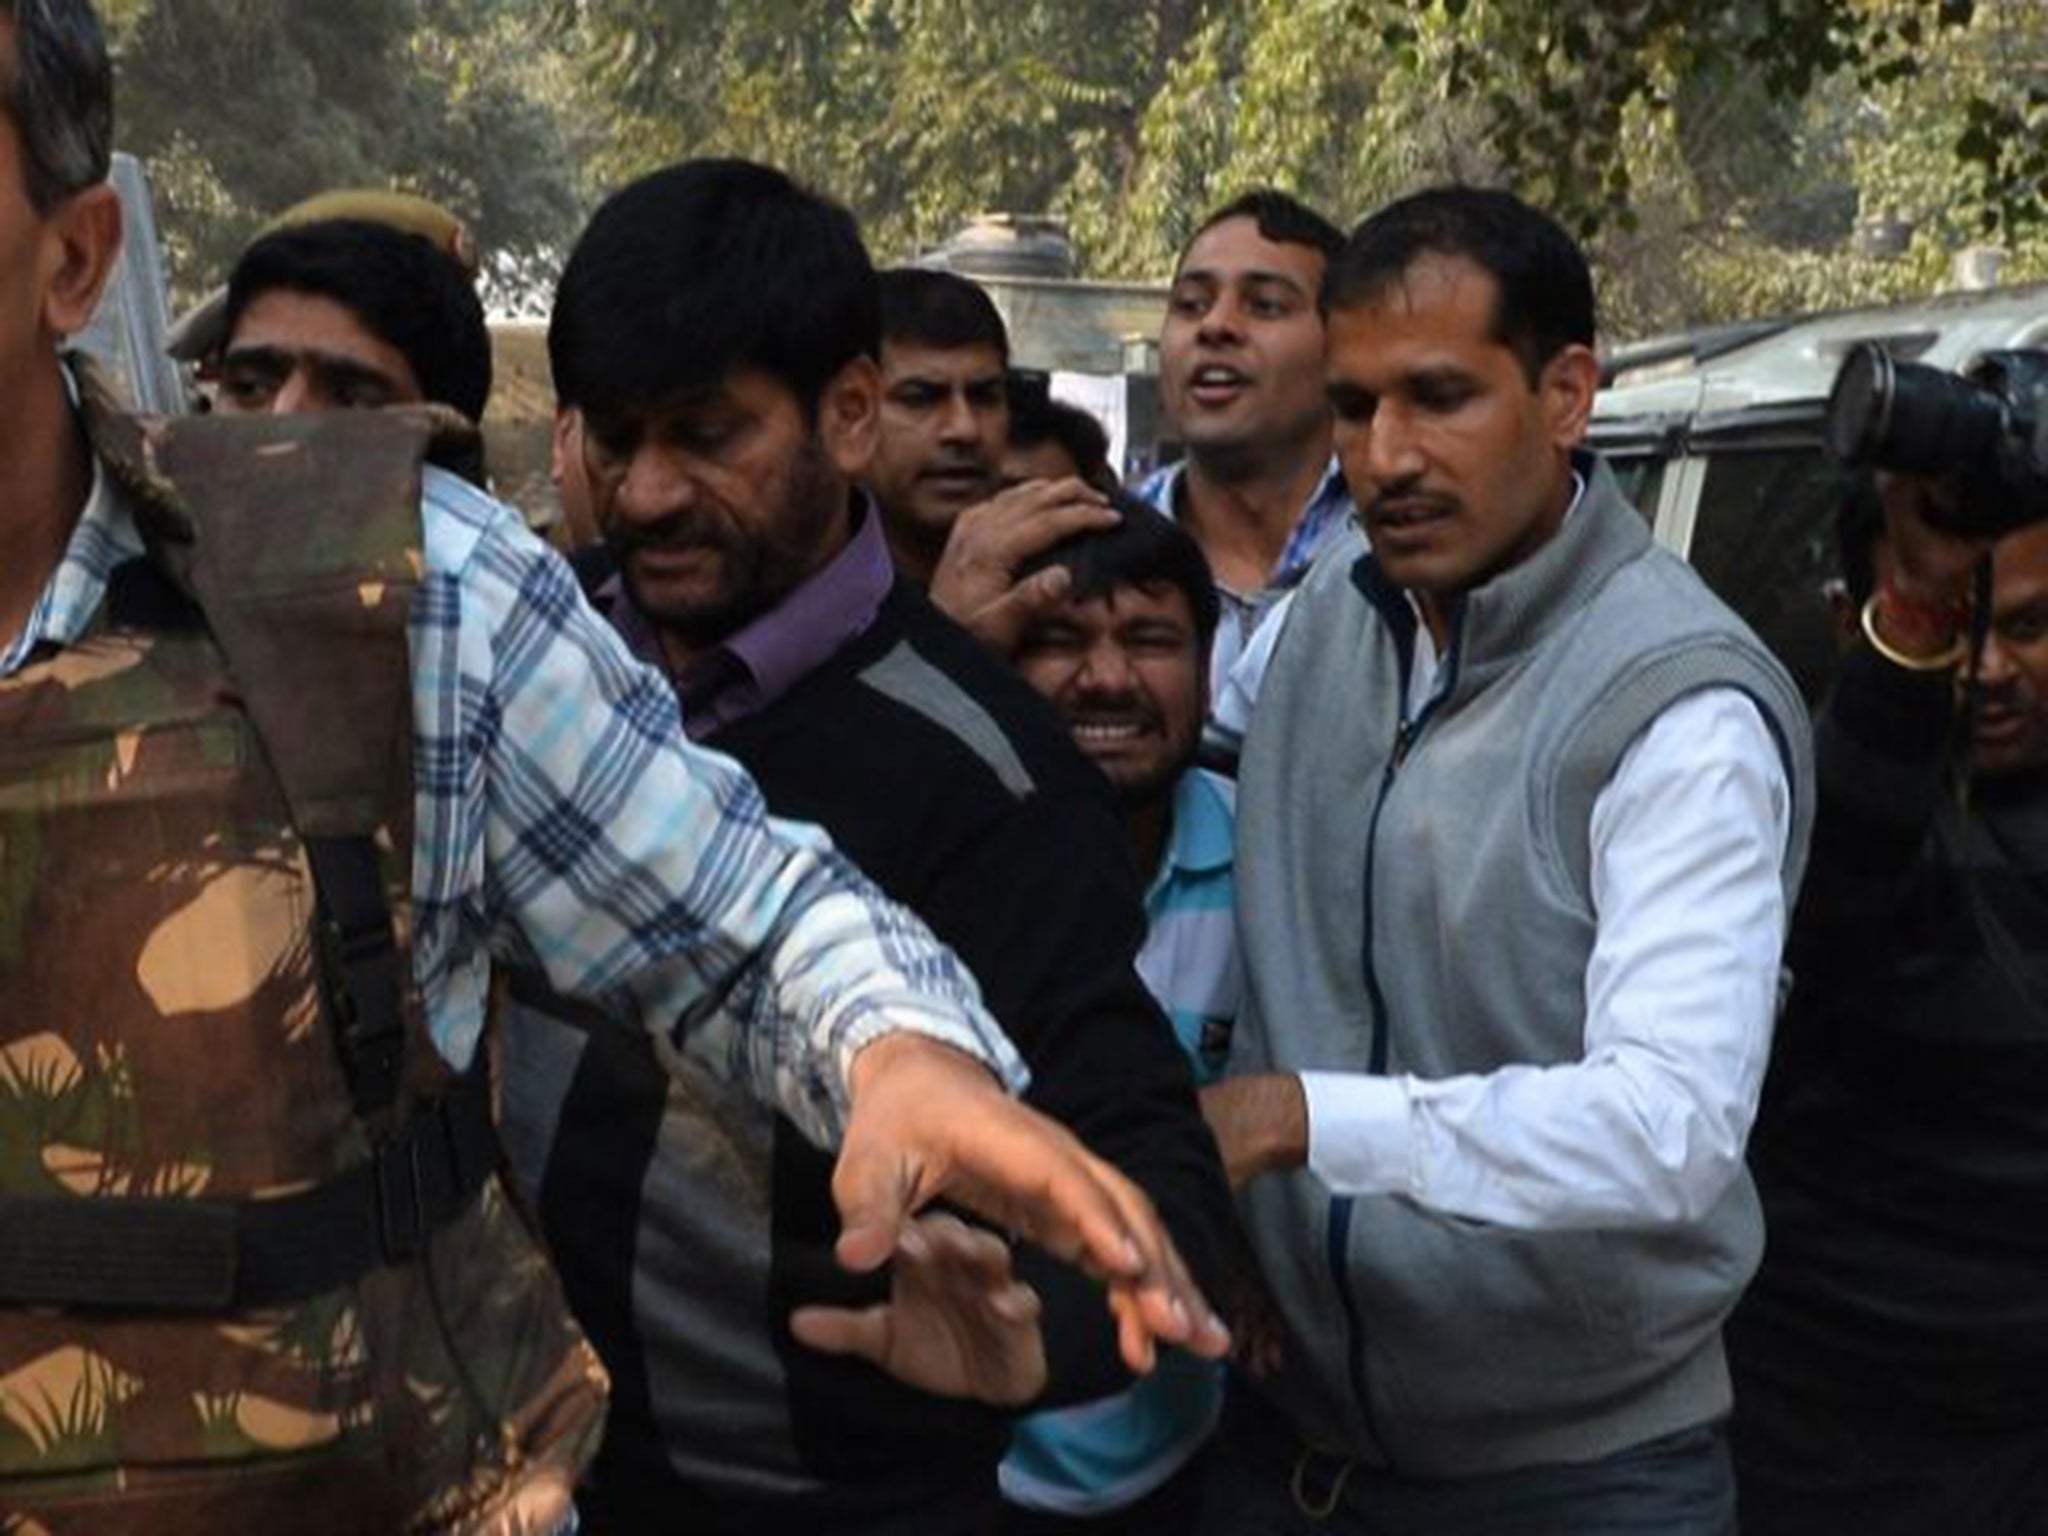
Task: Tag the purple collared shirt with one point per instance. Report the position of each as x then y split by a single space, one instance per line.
750 670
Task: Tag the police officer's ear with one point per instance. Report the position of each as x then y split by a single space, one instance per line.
81 239
1568 383
849 416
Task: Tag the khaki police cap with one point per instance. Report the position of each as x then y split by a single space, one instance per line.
197 334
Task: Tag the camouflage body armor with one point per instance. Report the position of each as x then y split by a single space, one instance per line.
257 1269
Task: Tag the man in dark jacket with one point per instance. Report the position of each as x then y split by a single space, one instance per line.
717 327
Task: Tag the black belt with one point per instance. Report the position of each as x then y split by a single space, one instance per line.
235 1255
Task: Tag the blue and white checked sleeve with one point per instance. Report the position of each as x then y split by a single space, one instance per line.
563 819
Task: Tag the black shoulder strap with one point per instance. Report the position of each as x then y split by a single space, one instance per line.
360 968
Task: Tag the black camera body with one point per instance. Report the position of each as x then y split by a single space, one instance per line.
1986 431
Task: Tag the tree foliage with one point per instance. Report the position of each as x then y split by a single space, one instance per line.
1721 157
241 108
1717 156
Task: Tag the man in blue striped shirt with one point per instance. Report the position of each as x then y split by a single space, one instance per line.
1123 658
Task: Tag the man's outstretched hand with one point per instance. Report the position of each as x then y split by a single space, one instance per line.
928 1122
956 1323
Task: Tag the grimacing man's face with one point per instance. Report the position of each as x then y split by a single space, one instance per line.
1127 671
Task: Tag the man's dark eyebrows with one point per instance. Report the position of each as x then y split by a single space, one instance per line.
348 370
1144 625
254 356
1267 277
331 365
1439 373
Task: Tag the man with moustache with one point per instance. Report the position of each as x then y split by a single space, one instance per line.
722 451
1891 1360
1521 813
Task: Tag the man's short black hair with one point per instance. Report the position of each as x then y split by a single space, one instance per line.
403 289
1036 419
942 310
1545 302
707 267
1282 219
59 94
1145 549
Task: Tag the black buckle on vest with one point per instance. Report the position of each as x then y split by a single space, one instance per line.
360 967
364 965
401 1199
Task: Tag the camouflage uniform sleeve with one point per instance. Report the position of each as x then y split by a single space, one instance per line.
642 871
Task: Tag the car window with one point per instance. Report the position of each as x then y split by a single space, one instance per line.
1764 540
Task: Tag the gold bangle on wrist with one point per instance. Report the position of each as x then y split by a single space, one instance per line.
1955 653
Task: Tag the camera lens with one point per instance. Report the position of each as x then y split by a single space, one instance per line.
1941 424
1859 405
1912 418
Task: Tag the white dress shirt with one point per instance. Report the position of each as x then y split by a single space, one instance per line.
1688 839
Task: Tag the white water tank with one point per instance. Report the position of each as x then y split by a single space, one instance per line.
1008 245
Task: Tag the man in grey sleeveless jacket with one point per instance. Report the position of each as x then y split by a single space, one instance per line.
1522 811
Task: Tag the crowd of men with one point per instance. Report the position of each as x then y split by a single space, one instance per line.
837 1005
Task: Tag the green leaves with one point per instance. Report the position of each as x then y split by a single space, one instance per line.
244 107
1714 155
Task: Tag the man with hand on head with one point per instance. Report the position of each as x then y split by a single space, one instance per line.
1123 658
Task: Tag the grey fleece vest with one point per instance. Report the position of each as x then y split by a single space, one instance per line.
1422 906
